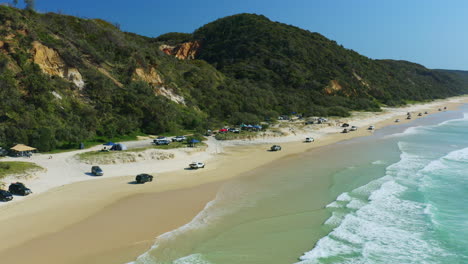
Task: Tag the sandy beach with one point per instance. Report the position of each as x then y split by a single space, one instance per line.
75 218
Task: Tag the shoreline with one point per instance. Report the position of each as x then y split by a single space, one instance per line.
79 210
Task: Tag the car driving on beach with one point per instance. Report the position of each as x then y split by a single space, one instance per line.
196 165
97 171
142 178
5 196
309 139
275 148
19 188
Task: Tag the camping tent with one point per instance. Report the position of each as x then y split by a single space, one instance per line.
21 150
109 143
193 141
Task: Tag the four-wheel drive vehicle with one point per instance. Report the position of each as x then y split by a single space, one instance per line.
3 152
353 128
5 196
197 165
162 142
275 148
178 139
97 171
18 188
309 139
142 178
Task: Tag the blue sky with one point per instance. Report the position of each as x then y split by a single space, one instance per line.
431 32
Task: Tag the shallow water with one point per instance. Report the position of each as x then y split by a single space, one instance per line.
387 198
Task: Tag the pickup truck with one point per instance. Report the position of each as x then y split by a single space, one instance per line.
196 165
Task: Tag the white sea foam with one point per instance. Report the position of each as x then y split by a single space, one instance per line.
192 259
388 228
407 132
344 197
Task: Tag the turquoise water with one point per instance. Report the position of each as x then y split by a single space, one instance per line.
416 213
399 196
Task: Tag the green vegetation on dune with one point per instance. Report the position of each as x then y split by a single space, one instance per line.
17 168
247 69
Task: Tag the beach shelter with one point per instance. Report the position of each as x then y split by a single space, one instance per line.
193 141
21 150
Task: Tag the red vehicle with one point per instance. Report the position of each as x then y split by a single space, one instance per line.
223 130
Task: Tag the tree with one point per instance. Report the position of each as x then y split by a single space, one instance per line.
30 4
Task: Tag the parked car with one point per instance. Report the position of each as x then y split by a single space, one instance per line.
345 125
97 171
161 138
197 165
3 152
420 114
5 196
371 127
408 117
309 139
345 130
234 130
162 142
142 178
275 148
353 128
426 113
397 120
19 188
179 139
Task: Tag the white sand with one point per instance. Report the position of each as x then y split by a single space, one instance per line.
65 168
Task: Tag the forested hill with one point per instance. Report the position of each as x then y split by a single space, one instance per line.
64 80
287 58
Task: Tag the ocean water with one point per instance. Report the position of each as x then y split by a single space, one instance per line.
416 213
398 196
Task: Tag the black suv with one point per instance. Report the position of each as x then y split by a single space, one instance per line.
275 148
5 196
142 178
18 188
97 171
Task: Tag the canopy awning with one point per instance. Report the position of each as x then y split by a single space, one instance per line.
22 147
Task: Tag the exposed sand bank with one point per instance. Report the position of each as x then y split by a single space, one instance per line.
109 221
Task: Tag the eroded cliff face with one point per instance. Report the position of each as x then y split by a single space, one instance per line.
153 78
52 64
150 76
184 51
333 87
